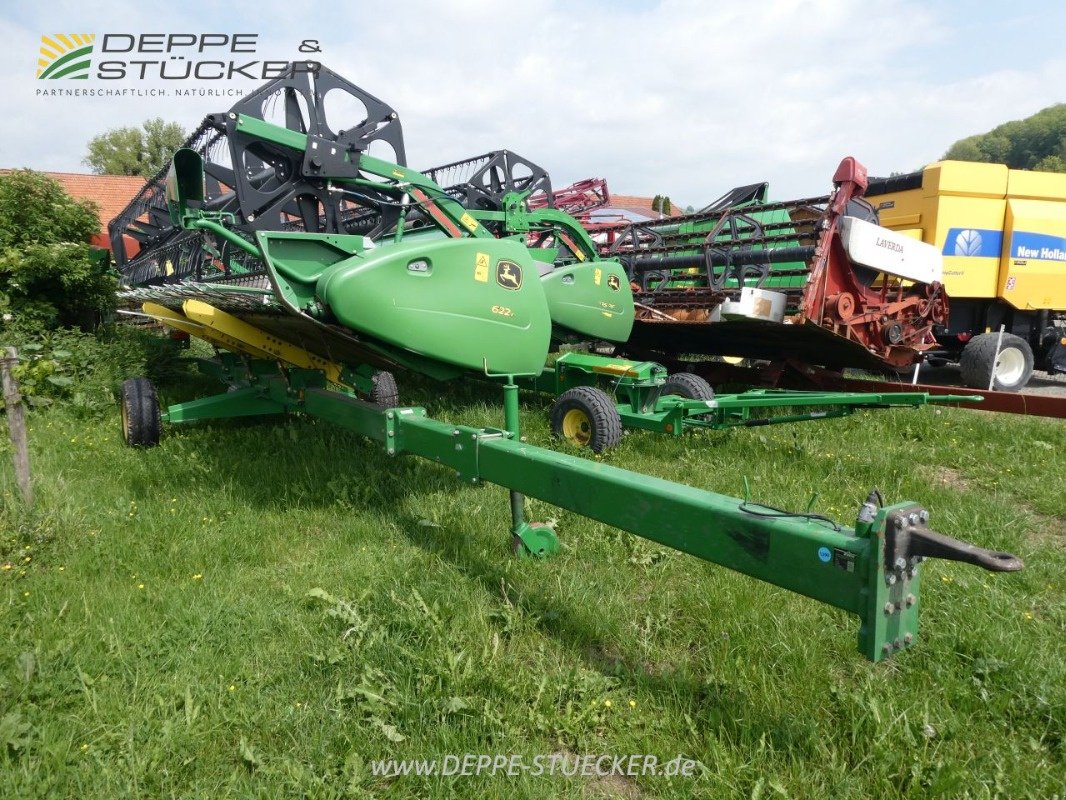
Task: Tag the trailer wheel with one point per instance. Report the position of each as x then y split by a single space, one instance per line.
587 417
385 393
141 422
1013 368
689 386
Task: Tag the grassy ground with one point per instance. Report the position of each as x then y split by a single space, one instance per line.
260 609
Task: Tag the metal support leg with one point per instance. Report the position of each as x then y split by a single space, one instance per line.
527 538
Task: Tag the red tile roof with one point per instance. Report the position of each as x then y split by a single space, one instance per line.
639 205
111 193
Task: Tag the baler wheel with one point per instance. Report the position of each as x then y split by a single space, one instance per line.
587 417
385 394
141 422
1012 369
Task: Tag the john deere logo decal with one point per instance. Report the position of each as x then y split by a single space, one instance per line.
509 275
65 55
613 283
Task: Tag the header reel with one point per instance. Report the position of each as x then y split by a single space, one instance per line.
272 185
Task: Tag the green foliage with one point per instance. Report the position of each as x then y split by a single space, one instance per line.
661 204
15 733
48 274
134 151
53 291
42 286
1037 142
85 370
35 209
1052 163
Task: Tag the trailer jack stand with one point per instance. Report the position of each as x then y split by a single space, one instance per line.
527 538
533 539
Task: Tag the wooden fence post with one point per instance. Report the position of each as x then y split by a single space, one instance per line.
16 423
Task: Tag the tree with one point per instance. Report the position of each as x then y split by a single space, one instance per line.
48 275
1036 142
134 151
661 204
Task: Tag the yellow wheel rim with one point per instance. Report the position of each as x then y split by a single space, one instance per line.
576 427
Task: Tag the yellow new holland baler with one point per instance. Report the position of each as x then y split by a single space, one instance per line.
1002 233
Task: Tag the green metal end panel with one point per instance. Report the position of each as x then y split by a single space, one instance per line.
591 298
474 303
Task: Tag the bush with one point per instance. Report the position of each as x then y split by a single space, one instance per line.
86 370
54 293
49 276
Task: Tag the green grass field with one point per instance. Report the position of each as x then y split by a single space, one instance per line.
259 609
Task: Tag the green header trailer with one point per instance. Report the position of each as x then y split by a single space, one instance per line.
596 397
315 269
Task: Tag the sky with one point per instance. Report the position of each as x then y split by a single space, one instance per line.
677 97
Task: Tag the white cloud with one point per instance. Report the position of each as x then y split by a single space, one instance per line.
687 98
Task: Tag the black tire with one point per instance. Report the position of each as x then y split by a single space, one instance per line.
689 386
142 425
385 393
1014 367
587 417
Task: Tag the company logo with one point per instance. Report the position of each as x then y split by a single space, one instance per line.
973 243
162 56
968 243
613 283
1038 246
887 244
65 55
509 275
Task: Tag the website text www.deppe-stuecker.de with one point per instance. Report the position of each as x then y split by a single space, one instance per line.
589 765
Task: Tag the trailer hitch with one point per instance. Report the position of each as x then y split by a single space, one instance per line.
908 540
900 539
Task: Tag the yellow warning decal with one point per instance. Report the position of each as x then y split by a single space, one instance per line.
616 369
597 274
398 173
468 222
481 267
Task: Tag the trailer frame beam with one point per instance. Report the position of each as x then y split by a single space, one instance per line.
802 552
